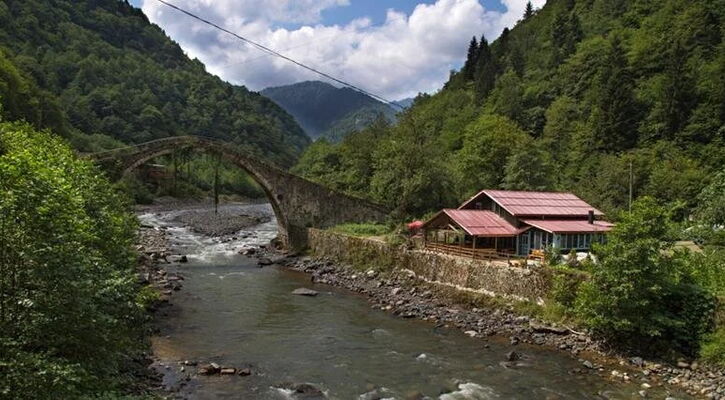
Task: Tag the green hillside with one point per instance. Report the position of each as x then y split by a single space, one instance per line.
327 111
568 99
98 73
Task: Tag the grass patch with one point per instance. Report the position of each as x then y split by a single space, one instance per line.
362 230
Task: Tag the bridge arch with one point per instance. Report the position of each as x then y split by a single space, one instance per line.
298 203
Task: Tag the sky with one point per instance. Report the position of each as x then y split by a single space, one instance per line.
393 48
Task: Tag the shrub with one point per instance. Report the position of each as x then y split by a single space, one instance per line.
639 297
713 347
68 316
565 285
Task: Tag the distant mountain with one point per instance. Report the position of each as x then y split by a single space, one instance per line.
100 74
405 103
327 111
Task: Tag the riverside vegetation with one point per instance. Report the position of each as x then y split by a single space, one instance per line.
71 311
579 96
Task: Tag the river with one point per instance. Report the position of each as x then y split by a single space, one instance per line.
234 313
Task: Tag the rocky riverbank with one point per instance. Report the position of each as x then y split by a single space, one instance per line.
406 296
225 222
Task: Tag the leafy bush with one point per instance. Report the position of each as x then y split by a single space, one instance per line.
639 296
68 316
713 347
565 285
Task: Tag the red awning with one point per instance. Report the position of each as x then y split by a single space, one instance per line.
569 226
481 223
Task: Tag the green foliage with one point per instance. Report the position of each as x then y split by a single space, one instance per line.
489 143
639 296
369 229
711 202
713 347
100 67
631 84
68 317
565 285
707 269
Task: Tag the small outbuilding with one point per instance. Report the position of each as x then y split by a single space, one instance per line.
503 224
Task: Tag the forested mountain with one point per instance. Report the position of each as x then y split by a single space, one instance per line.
571 98
326 111
97 72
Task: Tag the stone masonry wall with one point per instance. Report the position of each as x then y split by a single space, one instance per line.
497 279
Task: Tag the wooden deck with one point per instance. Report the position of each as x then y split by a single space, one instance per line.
486 254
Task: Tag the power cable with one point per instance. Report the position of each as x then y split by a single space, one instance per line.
280 55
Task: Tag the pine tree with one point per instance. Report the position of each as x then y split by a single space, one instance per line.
486 70
678 98
574 34
566 32
559 31
615 115
529 12
469 68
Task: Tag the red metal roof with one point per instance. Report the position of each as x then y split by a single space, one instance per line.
569 226
519 203
481 222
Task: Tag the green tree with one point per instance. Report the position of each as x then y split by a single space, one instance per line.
486 70
615 114
529 11
507 98
530 168
639 296
469 68
711 202
69 319
488 144
409 173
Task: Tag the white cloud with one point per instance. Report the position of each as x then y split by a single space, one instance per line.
404 55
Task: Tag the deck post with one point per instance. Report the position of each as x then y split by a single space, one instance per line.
474 248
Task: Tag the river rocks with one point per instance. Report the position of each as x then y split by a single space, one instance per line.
538 327
264 261
209 369
305 292
183 259
226 222
513 356
245 372
306 391
228 371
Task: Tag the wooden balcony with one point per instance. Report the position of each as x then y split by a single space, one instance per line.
486 254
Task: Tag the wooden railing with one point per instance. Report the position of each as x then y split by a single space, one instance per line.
469 252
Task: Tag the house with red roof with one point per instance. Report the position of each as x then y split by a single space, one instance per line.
502 223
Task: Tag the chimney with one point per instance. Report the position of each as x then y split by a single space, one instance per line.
591 216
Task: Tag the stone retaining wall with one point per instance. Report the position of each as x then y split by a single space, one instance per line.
497 279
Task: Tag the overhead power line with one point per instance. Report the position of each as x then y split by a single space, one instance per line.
280 55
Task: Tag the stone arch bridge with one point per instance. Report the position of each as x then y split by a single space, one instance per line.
298 203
